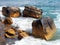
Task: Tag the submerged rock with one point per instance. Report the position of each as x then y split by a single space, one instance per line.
43 28
31 11
11 11
22 34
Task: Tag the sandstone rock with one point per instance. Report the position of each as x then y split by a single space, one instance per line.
11 12
22 34
43 28
10 33
31 11
8 21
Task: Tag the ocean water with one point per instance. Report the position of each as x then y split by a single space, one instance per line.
50 8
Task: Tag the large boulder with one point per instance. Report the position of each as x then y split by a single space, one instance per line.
8 21
22 34
43 28
31 11
11 11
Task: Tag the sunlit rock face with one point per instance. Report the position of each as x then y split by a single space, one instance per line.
31 11
43 28
11 12
10 33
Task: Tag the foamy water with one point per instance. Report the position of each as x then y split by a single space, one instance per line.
26 24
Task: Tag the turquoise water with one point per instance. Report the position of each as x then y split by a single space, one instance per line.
30 2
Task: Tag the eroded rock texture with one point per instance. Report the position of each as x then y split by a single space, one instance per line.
31 11
43 28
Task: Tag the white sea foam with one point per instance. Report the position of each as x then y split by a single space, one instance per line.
23 23
26 24
34 41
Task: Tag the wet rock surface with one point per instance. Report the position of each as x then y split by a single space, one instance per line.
11 12
31 11
44 28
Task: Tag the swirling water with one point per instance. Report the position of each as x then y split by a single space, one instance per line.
50 8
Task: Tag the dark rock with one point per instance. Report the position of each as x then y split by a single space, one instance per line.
31 11
43 28
8 21
11 11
